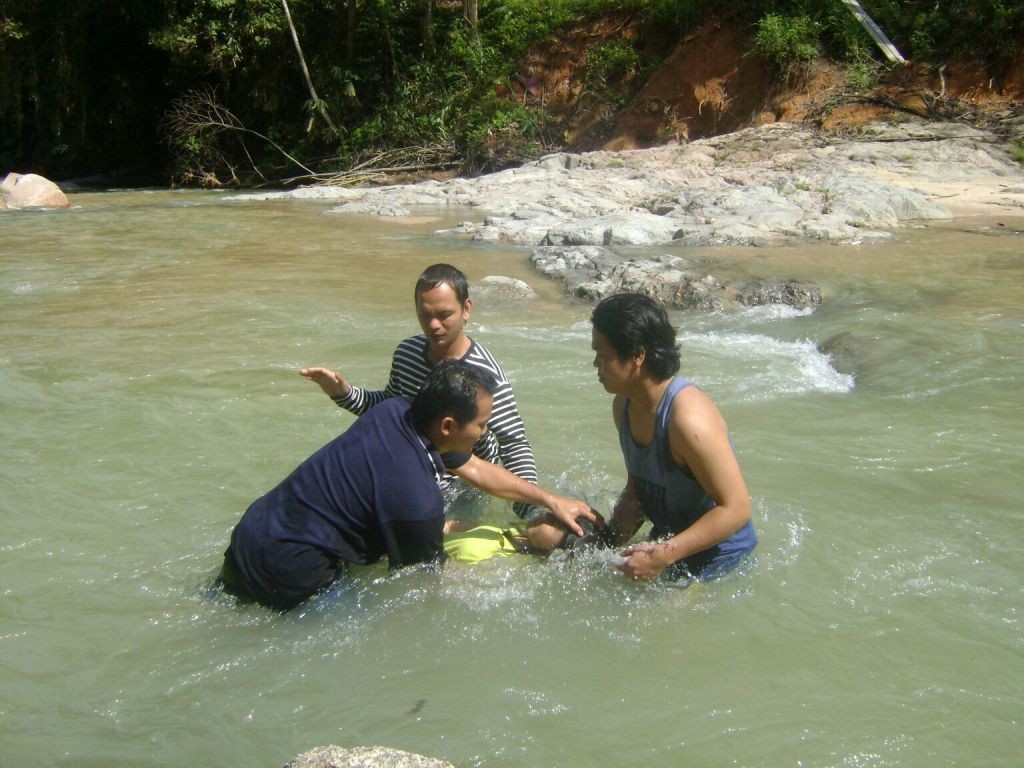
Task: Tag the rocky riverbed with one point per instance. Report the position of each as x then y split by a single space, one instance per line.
774 184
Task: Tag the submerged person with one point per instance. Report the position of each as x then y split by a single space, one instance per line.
483 542
374 491
443 307
682 473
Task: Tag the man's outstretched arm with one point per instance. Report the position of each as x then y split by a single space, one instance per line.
331 382
499 482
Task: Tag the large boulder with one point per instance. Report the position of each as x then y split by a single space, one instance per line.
30 191
363 757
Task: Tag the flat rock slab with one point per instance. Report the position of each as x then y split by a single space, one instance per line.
770 184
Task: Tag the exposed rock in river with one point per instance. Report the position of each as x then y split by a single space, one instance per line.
501 288
774 184
30 191
363 757
593 272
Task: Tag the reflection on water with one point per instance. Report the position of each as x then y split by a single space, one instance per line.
149 392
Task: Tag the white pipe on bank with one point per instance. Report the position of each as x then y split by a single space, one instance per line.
875 31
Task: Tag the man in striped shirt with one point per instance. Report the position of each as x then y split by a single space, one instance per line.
443 308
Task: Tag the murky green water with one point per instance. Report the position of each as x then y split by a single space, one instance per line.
148 393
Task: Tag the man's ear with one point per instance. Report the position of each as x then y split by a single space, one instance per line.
467 308
447 425
639 356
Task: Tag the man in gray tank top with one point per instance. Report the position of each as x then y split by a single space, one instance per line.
682 473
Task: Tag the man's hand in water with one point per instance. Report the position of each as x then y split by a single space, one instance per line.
331 382
644 561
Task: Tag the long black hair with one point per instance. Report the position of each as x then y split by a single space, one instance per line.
450 390
631 322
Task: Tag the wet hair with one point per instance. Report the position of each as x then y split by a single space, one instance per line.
631 322
443 274
450 390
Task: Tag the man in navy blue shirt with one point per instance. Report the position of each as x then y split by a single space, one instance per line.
374 491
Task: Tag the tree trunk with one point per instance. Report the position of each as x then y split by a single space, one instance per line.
305 71
427 28
471 9
350 35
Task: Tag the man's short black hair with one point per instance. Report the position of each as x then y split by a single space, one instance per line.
631 322
443 274
450 390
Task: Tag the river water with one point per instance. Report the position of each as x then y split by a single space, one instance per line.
148 390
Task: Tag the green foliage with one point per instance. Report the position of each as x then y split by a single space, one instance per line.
841 34
787 41
1018 151
10 30
68 111
677 14
199 159
865 72
609 63
453 97
513 26
498 134
990 29
221 33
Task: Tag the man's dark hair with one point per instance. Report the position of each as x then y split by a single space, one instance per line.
450 390
443 274
631 322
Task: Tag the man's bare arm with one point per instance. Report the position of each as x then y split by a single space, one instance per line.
499 482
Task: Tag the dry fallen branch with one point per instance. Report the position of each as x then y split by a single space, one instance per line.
198 116
197 119
375 167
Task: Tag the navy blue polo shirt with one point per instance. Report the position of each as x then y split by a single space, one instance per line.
370 492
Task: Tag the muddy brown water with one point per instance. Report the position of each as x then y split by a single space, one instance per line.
149 392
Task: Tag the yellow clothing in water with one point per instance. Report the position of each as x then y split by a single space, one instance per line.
481 543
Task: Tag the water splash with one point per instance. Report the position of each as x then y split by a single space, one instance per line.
760 367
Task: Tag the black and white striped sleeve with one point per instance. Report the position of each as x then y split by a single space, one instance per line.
506 425
506 431
408 370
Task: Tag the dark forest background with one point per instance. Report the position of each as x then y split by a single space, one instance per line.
228 91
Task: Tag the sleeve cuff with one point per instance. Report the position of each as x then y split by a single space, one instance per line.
345 401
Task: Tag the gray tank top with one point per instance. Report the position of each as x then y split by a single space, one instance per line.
671 498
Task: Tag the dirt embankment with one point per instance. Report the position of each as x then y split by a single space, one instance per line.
708 84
